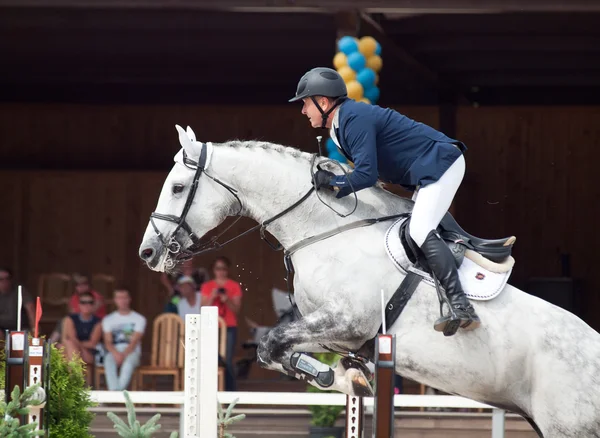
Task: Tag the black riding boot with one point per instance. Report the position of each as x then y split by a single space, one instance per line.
442 264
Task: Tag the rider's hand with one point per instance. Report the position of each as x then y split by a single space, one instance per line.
322 178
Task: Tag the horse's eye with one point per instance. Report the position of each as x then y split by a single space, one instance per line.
177 188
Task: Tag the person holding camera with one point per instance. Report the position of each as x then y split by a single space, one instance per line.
226 294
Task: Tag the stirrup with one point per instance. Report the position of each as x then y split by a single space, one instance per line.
453 323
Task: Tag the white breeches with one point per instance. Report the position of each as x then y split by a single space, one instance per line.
433 201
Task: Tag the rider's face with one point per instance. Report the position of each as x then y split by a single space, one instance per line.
310 110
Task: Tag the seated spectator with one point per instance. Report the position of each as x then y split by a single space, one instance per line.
81 333
169 281
226 294
9 302
190 297
123 330
82 284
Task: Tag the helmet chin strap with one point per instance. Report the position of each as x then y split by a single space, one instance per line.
325 114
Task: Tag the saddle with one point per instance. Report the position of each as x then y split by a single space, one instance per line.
458 240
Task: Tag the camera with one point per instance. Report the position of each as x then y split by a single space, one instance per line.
221 290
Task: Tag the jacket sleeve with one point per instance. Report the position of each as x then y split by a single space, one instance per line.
360 135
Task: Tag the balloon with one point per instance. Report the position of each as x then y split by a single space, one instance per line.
365 100
357 61
336 155
378 49
367 46
347 73
330 145
372 93
355 90
373 62
347 45
376 79
366 77
339 60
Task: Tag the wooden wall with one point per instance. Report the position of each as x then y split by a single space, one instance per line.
533 172
530 172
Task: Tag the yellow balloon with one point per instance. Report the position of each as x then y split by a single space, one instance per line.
375 63
347 73
367 46
365 100
355 90
339 60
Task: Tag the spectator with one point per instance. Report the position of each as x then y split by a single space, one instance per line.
123 330
190 297
169 281
81 333
9 302
226 294
82 284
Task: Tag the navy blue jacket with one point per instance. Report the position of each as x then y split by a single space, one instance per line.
385 144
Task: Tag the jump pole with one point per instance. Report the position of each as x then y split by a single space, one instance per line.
201 370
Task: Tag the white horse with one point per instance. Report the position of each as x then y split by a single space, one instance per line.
528 356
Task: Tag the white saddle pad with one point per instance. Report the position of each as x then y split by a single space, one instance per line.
481 278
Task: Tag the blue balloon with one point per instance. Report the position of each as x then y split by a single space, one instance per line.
336 155
357 61
330 145
378 49
366 77
372 93
347 45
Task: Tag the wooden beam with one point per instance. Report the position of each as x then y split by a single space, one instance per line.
549 44
347 23
515 62
370 6
533 79
448 91
369 27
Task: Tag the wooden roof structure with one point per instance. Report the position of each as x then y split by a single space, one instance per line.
496 52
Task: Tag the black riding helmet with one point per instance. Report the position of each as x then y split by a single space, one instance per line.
321 81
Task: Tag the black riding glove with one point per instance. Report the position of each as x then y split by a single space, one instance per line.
322 178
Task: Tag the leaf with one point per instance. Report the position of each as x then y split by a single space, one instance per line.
150 424
130 409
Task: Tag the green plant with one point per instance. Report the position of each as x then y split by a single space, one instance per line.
10 424
134 429
324 416
69 397
226 420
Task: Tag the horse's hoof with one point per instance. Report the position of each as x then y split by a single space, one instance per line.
351 363
360 385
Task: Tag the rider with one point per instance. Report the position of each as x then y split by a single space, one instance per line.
384 143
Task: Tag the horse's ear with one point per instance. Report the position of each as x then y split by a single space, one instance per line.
191 134
187 144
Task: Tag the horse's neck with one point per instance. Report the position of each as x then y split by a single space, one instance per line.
269 182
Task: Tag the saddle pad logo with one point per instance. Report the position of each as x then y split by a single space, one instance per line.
479 276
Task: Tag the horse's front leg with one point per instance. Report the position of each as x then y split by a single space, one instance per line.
283 349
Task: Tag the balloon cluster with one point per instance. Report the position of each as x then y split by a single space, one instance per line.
358 62
333 152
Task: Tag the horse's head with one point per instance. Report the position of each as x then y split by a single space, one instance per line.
192 202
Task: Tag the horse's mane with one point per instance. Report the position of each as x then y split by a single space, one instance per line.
281 149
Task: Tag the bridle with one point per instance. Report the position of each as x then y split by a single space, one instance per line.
174 246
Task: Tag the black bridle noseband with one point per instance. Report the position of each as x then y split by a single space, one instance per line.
175 247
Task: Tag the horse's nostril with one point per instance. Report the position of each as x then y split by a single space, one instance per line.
147 253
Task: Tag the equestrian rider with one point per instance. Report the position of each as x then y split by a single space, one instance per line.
385 144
